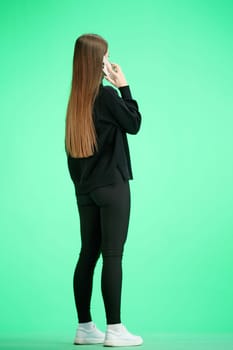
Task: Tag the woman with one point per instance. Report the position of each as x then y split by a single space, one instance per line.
98 159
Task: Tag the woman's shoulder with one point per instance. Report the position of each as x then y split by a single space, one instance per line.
107 90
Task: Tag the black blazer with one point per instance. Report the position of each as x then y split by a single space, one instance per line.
114 117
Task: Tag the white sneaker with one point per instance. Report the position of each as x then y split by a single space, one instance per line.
118 335
88 334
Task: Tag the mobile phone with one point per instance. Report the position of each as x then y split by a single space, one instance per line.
106 65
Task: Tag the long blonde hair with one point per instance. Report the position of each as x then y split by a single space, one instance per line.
80 134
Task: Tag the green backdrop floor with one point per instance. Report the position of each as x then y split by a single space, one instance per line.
165 341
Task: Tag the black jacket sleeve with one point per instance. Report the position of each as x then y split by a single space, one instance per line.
124 109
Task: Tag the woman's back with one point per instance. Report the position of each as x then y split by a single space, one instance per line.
114 117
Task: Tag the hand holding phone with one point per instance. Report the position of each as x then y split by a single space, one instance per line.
114 74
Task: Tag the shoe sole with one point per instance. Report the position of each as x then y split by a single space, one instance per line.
87 342
122 343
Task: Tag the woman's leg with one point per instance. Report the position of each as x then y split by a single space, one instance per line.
90 251
114 202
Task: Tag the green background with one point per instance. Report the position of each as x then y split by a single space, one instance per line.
178 262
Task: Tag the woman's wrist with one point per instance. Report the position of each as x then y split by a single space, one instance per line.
123 84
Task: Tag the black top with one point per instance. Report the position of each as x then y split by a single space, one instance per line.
114 116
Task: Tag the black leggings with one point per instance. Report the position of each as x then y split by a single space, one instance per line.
104 218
